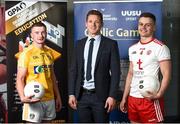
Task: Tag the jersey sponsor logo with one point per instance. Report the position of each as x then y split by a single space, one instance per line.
41 68
138 73
38 69
139 64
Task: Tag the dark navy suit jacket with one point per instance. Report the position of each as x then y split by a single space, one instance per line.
107 69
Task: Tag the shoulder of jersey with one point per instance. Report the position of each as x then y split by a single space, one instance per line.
158 42
47 47
25 51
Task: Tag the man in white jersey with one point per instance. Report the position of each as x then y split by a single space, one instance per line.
147 57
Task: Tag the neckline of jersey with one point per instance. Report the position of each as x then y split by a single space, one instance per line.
147 42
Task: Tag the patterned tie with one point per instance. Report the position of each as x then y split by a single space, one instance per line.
88 70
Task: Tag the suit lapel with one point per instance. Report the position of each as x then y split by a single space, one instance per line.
82 45
99 51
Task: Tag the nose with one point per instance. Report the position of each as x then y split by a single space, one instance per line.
41 35
143 26
94 24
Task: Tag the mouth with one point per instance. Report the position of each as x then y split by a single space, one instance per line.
143 31
41 39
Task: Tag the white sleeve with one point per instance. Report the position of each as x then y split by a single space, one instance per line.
163 53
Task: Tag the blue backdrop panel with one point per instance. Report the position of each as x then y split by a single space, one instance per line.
120 23
120 20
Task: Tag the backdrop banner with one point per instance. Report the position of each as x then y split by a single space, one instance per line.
120 23
19 17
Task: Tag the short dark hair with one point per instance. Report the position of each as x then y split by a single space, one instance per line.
38 24
150 15
95 12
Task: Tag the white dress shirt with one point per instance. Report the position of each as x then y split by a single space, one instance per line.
91 84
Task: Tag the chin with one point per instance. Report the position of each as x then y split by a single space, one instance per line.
40 42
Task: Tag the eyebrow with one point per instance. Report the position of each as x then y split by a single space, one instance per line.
145 23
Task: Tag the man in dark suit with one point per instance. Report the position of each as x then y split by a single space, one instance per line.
94 74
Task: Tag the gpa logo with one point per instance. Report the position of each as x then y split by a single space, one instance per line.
19 7
131 13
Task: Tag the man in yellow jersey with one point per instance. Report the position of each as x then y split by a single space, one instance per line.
38 55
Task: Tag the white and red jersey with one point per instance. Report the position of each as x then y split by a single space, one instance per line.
145 58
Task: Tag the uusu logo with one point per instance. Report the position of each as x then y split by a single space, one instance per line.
131 13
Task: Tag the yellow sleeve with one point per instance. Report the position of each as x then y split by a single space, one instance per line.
22 59
55 53
17 55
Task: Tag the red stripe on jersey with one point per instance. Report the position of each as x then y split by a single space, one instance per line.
158 42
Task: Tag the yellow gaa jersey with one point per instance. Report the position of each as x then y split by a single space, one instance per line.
39 64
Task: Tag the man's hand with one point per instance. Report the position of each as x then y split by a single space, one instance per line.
110 104
58 104
152 96
72 102
123 106
29 99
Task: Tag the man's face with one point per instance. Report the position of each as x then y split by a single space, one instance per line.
38 34
146 27
93 25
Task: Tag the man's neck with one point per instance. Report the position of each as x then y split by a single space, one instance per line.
146 39
38 45
93 35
